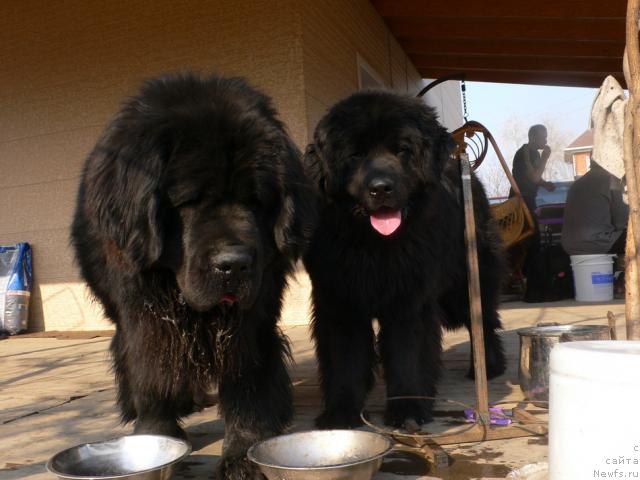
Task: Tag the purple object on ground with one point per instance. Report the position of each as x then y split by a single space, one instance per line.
497 416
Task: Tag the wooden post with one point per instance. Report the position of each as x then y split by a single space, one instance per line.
475 302
631 66
611 318
632 305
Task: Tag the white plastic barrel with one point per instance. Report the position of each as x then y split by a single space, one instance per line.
593 277
594 426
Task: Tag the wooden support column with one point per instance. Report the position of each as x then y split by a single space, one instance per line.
475 302
632 169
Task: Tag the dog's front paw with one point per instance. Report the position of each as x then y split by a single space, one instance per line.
408 414
237 468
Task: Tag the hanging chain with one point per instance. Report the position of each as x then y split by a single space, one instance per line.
463 87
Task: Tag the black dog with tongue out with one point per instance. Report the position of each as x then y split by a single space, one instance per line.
390 246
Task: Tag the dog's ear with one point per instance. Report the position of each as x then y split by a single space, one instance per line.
298 211
315 165
438 151
121 188
314 168
445 148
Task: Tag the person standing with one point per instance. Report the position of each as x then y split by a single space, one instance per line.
529 164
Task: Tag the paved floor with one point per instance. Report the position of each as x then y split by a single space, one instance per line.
55 393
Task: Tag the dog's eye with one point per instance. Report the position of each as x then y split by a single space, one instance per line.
186 202
403 150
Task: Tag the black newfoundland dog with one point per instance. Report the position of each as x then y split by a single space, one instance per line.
191 211
390 245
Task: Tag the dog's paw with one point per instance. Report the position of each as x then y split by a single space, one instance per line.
408 414
340 419
237 468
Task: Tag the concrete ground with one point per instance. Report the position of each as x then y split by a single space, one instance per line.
59 392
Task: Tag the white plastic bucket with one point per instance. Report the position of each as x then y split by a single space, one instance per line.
593 277
594 426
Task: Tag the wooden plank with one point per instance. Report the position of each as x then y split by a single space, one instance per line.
632 299
631 154
611 318
478 433
501 8
487 46
66 335
573 79
486 433
509 29
524 417
517 62
475 302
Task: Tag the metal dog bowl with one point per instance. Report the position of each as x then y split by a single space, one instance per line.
321 455
536 344
134 457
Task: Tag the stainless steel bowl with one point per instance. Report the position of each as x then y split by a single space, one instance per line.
535 353
134 457
321 455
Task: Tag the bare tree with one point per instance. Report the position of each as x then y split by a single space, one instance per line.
490 172
558 138
513 135
493 178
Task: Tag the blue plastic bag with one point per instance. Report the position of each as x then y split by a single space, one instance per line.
16 276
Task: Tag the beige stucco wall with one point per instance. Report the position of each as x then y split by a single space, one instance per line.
334 33
66 66
64 69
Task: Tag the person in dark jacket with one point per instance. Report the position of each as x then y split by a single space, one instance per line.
529 164
595 215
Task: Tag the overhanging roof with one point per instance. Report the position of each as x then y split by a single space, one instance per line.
547 42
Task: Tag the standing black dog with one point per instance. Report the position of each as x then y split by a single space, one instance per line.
191 211
390 245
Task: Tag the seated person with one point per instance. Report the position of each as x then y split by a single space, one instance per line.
595 215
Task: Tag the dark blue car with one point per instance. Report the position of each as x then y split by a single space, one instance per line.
550 210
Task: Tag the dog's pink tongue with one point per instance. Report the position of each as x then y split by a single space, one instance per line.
386 221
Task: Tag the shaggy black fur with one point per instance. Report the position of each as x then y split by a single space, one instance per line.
376 154
192 209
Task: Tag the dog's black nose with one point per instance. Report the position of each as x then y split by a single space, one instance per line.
233 262
380 187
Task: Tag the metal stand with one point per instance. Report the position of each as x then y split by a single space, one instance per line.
525 423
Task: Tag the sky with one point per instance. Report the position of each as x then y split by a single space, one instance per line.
492 103
567 109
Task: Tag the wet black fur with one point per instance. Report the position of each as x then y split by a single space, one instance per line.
414 281
188 167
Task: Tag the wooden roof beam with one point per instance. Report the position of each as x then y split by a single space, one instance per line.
517 62
509 29
568 79
502 8
489 46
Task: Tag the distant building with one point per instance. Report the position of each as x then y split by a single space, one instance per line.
579 153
